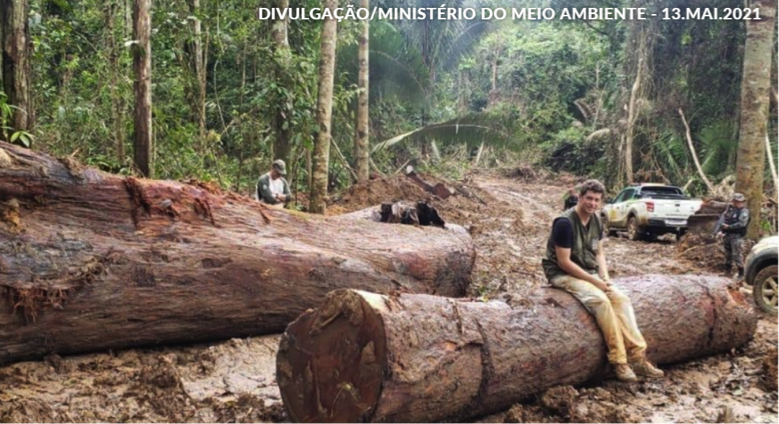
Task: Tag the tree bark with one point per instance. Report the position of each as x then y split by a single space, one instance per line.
198 61
15 37
362 140
632 122
324 111
282 118
756 81
142 141
774 175
116 100
93 261
420 358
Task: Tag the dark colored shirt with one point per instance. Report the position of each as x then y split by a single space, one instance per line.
737 220
562 233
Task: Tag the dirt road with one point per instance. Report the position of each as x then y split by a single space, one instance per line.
234 381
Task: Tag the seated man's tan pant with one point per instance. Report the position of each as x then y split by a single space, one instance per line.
615 316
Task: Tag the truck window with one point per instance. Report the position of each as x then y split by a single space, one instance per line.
662 192
622 195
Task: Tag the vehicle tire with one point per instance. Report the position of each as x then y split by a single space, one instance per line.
610 231
634 232
764 289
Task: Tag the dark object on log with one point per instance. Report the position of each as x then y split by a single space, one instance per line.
92 261
423 214
439 189
420 358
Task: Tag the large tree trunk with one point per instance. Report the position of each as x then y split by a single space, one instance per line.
420 358
755 83
283 116
15 38
92 261
324 109
362 143
142 141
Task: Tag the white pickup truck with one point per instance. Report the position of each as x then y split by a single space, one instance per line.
649 210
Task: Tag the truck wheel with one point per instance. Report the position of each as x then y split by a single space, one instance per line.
764 290
610 231
634 232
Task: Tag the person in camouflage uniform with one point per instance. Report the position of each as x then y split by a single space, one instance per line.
735 220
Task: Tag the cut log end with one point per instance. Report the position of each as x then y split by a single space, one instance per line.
333 359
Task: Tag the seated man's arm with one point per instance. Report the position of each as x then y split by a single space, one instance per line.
600 257
562 237
287 193
574 270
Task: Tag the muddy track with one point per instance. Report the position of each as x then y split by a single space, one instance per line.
234 381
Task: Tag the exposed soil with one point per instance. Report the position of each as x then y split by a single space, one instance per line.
509 215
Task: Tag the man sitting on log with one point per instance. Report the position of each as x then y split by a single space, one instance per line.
575 262
272 189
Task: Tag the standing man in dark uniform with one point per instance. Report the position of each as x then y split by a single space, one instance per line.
575 262
732 231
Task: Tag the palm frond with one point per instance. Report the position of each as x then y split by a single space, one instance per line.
718 147
472 130
396 69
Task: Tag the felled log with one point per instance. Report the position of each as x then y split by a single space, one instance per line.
439 189
420 358
93 261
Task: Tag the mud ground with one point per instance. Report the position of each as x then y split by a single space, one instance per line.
509 215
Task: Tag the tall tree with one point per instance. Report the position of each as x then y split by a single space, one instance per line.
324 110
198 60
362 141
142 141
113 59
15 37
755 85
281 119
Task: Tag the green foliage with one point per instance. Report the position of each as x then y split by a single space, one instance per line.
513 85
570 151
719 143
20 137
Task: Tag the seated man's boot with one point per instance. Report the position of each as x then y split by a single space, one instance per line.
740 273
624 372
727 270
645 368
